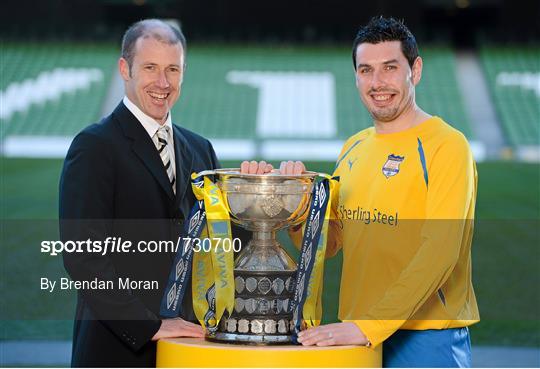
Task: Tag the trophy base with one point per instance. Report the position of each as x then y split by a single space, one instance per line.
250 339
262 312
199 353
264 282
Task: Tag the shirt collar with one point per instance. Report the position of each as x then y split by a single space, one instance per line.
150 124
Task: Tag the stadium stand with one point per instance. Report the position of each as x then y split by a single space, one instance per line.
438 92
231 110
53 89
513 74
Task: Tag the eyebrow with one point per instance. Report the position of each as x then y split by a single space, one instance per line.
170 65
392 61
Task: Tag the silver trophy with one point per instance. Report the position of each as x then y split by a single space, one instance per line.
264 273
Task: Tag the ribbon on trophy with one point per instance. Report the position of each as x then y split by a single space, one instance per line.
212 277
180 273
307 302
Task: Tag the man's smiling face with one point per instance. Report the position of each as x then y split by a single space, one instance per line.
385 80
154 79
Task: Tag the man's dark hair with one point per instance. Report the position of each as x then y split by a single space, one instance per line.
150 28
380 29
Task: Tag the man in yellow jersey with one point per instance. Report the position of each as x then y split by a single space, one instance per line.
407 198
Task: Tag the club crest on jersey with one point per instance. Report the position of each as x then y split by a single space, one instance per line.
391 167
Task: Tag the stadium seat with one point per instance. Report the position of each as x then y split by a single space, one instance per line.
513 74
54 88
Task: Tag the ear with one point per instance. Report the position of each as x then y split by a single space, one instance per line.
123 68
184 67
417 71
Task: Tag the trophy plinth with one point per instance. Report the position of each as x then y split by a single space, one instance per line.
264 273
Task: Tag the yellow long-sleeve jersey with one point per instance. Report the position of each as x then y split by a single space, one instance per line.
406 206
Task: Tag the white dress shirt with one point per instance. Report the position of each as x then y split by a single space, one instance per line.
151 126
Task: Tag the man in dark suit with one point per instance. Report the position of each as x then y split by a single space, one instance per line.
129 176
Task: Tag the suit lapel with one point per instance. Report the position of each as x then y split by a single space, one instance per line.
184 164
143 146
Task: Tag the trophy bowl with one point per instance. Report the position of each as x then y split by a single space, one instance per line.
264 272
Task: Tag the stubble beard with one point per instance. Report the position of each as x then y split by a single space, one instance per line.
386 114
391 113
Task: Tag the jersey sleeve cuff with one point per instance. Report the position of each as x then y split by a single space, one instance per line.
376 331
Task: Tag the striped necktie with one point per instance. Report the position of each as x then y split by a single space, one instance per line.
161 144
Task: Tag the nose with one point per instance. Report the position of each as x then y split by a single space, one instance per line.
162 81
377 80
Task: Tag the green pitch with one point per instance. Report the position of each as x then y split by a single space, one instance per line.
505 252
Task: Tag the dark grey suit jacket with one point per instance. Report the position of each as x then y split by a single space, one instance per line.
114 184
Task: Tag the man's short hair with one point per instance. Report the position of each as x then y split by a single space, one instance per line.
150 28
380 29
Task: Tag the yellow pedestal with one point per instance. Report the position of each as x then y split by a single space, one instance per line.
195 352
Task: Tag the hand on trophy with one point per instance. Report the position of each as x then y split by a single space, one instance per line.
286 167
346 333
171 328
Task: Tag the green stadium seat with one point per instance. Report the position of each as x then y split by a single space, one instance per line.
517 107
215 108
70 111
210 105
